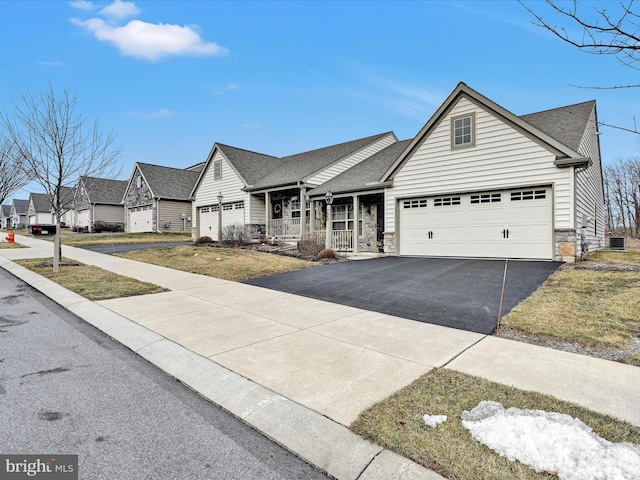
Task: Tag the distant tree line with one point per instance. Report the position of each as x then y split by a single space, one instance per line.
622 196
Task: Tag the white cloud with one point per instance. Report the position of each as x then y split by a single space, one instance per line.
228 88
51 64
149 40
83 5
119 10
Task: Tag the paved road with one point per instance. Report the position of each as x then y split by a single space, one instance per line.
66 388
458 293
121 248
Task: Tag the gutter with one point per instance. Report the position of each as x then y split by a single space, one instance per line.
582 162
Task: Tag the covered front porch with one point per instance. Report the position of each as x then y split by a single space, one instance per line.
347 222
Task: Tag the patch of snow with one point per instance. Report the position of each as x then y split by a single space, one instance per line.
434 420
551 442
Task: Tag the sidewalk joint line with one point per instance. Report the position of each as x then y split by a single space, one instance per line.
444 365
369 464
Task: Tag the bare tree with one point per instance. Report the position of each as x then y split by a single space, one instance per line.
56 145
602 31
622 181
12 175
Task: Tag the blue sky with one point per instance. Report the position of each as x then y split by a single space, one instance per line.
173 77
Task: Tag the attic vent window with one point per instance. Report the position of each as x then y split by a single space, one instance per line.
138 182
463 131
217 169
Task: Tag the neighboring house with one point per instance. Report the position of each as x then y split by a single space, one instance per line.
157 198
98 200
477 181
270 193
18 213
39 211
5 219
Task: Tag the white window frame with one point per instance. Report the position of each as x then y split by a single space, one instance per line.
460 131
217 169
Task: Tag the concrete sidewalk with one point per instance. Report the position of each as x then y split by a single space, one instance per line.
301 370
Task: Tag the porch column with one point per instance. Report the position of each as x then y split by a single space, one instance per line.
328 227
356 237
267 206
303 212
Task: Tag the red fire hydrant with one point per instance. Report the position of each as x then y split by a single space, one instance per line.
11 237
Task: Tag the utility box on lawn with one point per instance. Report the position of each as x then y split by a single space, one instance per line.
617 243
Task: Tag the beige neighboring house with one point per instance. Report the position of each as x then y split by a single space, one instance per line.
98 200
158 199
476 181
39 210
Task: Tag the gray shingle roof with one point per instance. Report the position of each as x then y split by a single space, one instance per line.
6 210
21 206
368 171
299 166
41 202
167 182
104 191
565 124
251 166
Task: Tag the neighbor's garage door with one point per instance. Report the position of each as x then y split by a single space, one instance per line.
140 219
232 213
84 218
501 224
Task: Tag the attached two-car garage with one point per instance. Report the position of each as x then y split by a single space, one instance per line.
513 223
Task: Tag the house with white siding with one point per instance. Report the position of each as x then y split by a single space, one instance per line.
476 181
98 200
18 214
271 194
157 198
5 220
39 210
479 181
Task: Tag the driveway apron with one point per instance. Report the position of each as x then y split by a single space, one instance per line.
458 293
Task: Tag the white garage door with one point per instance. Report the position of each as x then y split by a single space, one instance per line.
140 219
501 224
232 213
84 218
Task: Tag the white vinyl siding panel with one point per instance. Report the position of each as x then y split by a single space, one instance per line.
109 213
257 210
502 158
589 191
348 162
230 185
170 212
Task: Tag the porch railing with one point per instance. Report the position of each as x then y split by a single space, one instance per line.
284 228
342 240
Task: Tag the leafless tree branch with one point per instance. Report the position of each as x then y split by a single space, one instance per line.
57 145
12 174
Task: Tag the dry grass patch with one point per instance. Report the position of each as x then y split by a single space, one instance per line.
227 263
91 282
121 238
594 305
7 245
396 423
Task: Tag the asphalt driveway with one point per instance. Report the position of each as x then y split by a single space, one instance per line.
458 293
